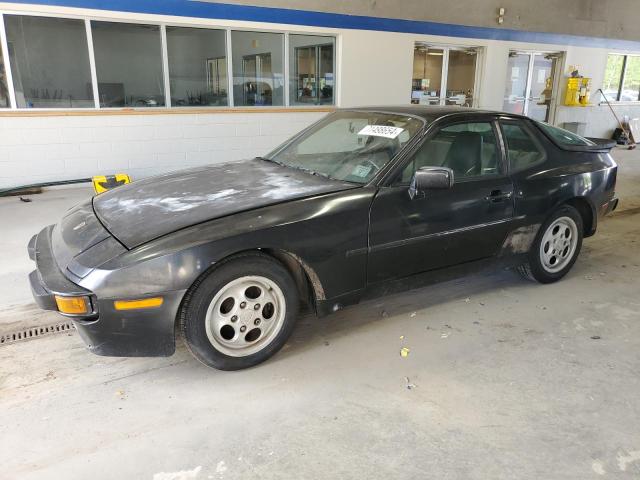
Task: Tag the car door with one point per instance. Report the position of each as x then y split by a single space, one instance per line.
467 222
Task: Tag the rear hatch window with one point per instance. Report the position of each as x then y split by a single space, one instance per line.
564 137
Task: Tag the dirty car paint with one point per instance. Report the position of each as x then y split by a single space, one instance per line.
343 237
150 208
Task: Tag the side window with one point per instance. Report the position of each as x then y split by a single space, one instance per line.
522 150
469 149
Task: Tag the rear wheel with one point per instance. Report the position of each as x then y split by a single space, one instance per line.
241 313
556 247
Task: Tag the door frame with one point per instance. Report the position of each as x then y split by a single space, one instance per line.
446 48
561 56
452 236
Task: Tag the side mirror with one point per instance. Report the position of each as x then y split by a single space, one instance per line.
430 178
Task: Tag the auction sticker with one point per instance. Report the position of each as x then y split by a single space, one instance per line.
361 171
381 131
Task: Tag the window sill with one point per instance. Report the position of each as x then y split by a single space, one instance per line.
620 104
86 112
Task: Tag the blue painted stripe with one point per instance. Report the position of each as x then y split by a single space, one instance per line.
224 11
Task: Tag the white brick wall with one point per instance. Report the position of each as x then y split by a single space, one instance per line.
40 149
599 119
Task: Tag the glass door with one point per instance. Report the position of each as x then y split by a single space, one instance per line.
461 77
516 87
427 75
530 82
541 90
443 75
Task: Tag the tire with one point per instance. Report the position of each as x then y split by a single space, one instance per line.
556 246
241 313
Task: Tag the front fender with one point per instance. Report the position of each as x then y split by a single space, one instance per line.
317 231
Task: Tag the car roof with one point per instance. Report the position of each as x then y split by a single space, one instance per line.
432 113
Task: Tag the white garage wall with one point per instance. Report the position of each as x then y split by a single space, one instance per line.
373 68
38 149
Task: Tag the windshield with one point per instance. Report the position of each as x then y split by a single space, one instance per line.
349 145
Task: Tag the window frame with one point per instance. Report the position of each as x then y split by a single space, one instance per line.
395 178
386 173
285 70
291 57
163 65
167 66
168 107
525 125
621 80
444 76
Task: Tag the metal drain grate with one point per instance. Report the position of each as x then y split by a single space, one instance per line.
35 332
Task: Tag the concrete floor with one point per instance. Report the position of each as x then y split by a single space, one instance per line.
505 379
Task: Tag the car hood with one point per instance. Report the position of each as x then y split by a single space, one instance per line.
147 209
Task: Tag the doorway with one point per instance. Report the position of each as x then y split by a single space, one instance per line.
444 75
532 84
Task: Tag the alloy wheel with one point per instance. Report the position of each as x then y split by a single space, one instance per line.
558 244
245 316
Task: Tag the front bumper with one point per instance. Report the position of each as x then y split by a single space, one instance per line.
105 330
47 280
610 206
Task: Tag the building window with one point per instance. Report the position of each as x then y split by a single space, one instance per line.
622 78
312 70
197 66
50 62
258 77
443 75
81 63
631 81
4 90
128 64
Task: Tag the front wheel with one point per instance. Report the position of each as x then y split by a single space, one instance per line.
241 313
556 247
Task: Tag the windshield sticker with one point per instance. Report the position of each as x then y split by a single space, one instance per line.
361 171
381 131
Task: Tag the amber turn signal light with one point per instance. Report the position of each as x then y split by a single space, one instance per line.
137 304
72 305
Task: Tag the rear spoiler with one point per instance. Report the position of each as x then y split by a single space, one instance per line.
602 145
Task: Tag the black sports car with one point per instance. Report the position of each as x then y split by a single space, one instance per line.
228 252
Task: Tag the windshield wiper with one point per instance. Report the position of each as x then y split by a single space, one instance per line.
270 160
298 167
311 172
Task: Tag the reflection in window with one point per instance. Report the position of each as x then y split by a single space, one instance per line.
613 77
564 137
312 69
258 77
50 62
631 86
197 66
4 91
128 64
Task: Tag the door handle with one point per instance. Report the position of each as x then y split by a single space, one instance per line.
497 196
